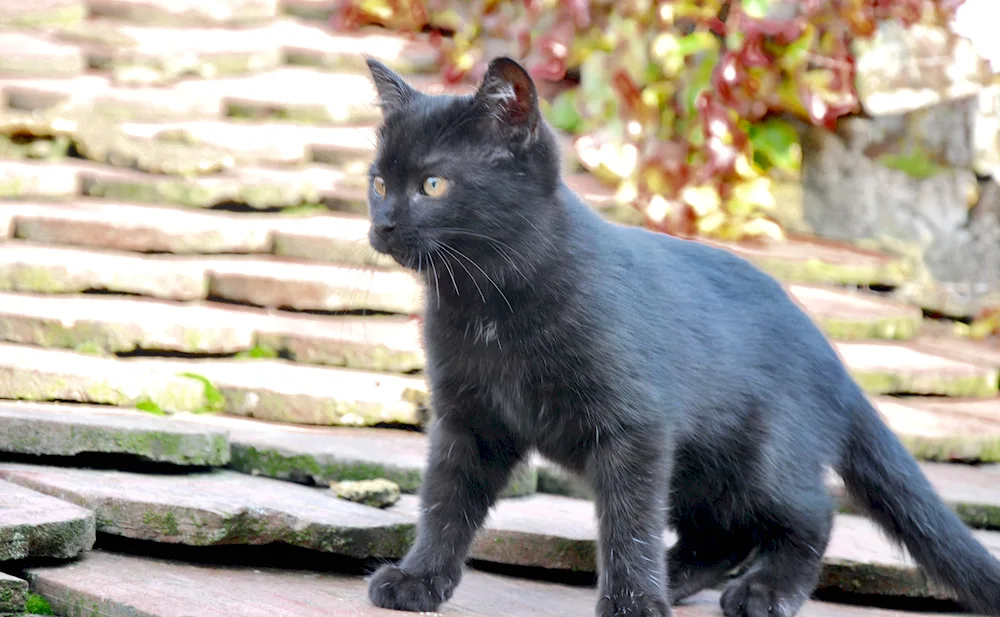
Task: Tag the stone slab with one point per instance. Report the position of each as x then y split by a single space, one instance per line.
247 143
942 432
336 238
143 228
939 341
187 12
377 343
851 315
125 586
884 368
983 409
286 283
322 455
29 54
68 430
26 267
46 180
306 44
34 374
282 391
221 507
37 525
116 324
42 13
13 595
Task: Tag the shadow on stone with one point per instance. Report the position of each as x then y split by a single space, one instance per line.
102 460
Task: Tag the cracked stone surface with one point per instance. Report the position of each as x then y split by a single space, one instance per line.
68 430
221 507
36 525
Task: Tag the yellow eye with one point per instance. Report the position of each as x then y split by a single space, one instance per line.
435 187
379 185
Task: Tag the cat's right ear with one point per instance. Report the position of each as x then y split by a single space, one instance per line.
393 92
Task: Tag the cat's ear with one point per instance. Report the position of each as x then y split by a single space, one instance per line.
508 94
393 92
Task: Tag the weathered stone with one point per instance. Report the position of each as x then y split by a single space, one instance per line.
349 148
115 324
29 373
46 180
36 525
42 13
335 238
187 12
43 269
221 507
246 143
937 340
309 286
882 368
945 431
986 133
817 261
554 480
377 493
848 315
141 55
308 45
376 343
285 392
903 68
68 430
322 455
23 54
13 595
256 188
143 228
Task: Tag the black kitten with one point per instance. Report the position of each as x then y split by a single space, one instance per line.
651 366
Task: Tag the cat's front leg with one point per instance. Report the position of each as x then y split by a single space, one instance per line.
629 476
466 471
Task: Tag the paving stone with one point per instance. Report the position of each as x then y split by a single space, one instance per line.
113 585
985 409
68 430
36 525
308 44
847 315
282 391
940 432
323 455
145 55
110 324
247 143
940 339
221 507
337 238
816 261
378 493
13 595
378 343
142 228
34 374
41 13
882 368
24 54
283 283
187 12
26 267
349 148
48 180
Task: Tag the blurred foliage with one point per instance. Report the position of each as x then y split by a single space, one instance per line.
682 104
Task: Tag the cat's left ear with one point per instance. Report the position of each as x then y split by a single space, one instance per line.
393 92
508 94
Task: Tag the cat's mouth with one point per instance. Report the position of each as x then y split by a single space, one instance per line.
392 245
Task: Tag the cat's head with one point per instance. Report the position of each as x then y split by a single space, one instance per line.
460 175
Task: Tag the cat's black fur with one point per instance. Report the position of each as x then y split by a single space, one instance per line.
678 379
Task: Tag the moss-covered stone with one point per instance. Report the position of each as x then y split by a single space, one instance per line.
901 327
377 492
905 382
36 525
49 14
13 595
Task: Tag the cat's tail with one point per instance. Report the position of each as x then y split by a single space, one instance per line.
886 482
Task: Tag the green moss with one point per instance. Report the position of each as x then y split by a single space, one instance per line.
215 401
915 163
274 464
91 348
979 516
58 16
31 278
149 406
955 448
258 352
307 209
37 605
975 386
163 524
888 328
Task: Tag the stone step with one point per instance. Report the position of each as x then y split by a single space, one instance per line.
39 180
321 455
24 54
282 391
889 368
42 14
33 374
214 13
114 585
68 430
34 525
13 595
849 315
946 431
307 44
221 507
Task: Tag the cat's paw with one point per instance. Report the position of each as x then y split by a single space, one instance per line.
393 588
632 604
749 597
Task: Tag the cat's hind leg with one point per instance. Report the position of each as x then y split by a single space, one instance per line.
703 557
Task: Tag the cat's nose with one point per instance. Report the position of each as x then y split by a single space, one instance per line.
384 228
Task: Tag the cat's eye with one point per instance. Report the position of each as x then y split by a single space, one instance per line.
434 186
379 185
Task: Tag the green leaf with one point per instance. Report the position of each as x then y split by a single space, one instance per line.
258 352
214 399
757 9
775 143
563 113
697 42
150 407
